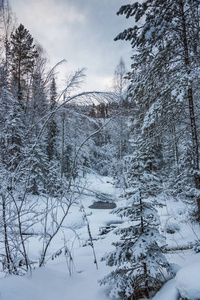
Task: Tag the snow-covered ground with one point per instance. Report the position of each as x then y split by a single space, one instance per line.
54 282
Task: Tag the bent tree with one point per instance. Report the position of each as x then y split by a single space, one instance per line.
167 42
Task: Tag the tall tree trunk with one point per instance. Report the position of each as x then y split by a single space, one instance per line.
19 83
195 144
146 283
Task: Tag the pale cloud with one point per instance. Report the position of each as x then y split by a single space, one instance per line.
49 12
81 31
48 17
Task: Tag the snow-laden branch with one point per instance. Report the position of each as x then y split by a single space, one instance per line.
83 143
105 95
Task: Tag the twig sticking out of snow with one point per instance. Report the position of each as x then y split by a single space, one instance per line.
90 234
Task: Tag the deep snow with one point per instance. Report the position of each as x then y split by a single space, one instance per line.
53 281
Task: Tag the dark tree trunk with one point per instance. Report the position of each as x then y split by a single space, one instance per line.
146 283
195 145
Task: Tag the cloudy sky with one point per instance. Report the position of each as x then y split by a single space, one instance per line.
80 31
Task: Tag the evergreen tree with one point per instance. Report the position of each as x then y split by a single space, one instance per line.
38 105
12 131
138 257
14 179
165 72
22 57
52 129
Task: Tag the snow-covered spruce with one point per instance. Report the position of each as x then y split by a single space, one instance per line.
139 260
138 256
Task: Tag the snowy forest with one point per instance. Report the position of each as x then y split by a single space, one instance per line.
100 191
